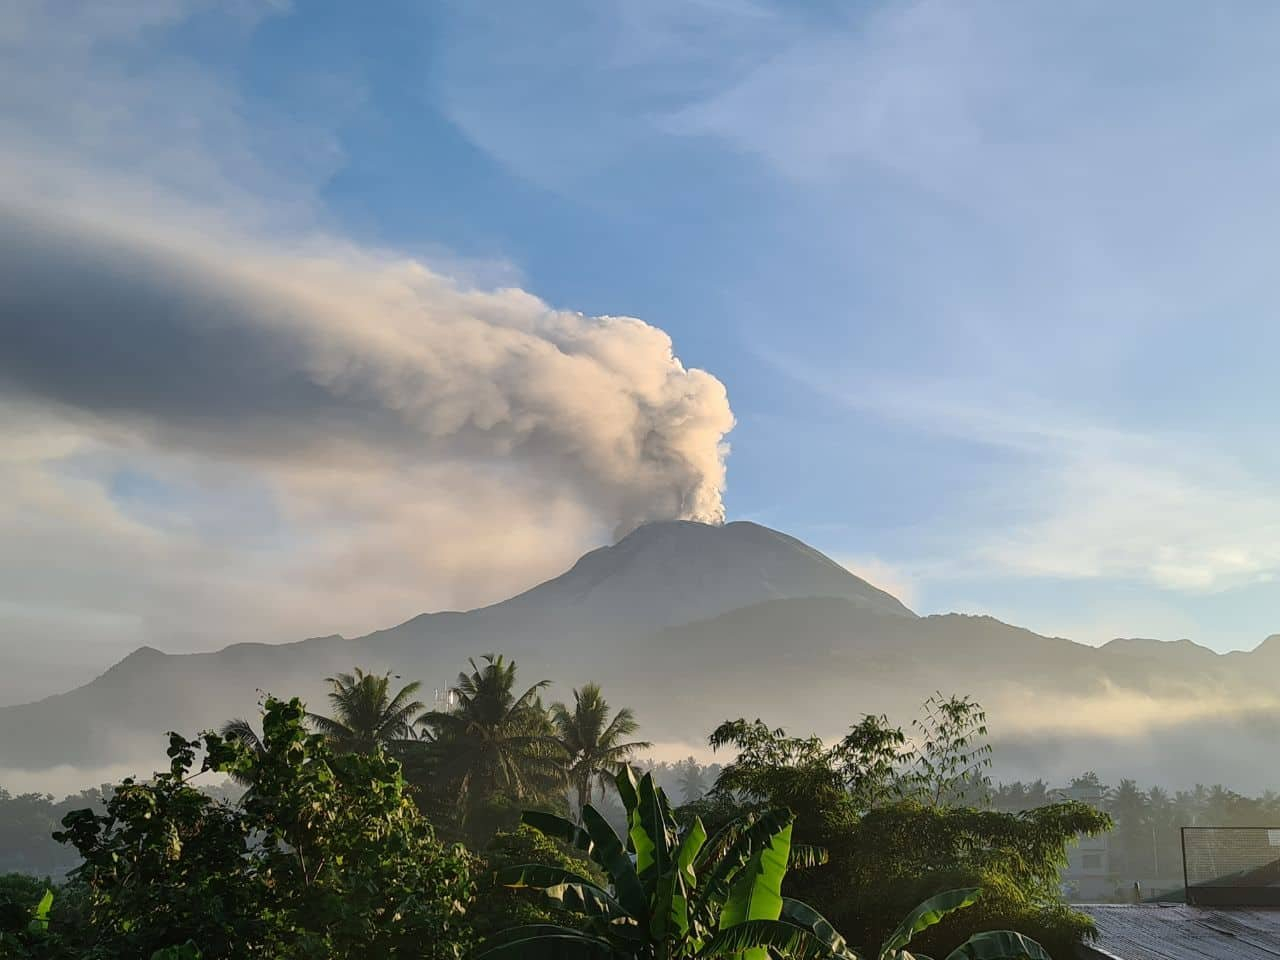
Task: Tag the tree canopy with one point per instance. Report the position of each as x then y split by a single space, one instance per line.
594 743
334 848
327 856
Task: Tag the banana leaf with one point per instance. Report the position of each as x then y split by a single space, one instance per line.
608 851
926 915
999 945
570 890
40 915
802 915
545 941
558 828
690 845
650 833
756 893
759 937
719 874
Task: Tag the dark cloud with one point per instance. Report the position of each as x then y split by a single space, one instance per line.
117 329
234 351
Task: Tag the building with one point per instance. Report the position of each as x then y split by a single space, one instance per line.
1231 909
1087 876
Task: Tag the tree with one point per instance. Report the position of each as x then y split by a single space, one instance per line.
593 743
687 895
326 856
499 907
987 945
949 763
684 895
366 714
771 767
24 924
241 731
1089 780
887 852
27 823
872 764
1133 847
869 758
1017 796
492 746
693 783
898 854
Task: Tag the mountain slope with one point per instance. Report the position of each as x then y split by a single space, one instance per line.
660 575
691 624
687 571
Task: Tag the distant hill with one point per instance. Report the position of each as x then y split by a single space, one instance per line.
690 624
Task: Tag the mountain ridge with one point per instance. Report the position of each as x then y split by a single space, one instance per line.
729 620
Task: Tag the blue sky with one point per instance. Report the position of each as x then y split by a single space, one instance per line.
862 217
988 284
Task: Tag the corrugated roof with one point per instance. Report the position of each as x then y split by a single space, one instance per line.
1176 931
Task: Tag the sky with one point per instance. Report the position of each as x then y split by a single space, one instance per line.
315 316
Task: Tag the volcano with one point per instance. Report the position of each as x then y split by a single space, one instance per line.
690 624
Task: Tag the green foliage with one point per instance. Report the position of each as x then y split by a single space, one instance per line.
998 945
1146 837
22 890
493 749
932 911
772 768
944 763
891 822
327 856
499 906
27 823
692 782
687 894
869 758
684 895
1146 843
367 716
949 762
185 951
26 921
595 745
897 855
987 945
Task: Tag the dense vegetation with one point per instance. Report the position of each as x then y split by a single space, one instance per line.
1145 842
899 824
690 894
385 829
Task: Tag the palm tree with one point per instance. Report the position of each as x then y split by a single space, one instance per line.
492 741
366 715
1131 846
242 730
592 741
693 783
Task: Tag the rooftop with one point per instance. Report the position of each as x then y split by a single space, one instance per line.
1175 931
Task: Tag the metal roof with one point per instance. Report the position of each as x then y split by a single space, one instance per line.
1176 931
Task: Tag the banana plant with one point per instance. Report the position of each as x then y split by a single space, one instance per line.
988 945
680 895
40 914
672 894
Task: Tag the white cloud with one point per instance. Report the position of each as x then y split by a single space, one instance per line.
888 88
223 422
1080 500
431 444
889 577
